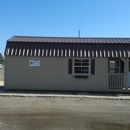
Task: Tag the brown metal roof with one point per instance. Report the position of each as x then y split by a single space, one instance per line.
68 47
68 39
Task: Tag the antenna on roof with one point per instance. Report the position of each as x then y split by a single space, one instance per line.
79 34
79 27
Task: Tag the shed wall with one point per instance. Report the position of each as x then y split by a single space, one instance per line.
52 75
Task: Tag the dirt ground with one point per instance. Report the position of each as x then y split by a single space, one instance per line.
35 113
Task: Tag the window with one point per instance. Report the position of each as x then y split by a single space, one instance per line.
81 67
114 66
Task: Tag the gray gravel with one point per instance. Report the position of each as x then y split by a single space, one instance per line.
23 113
1 74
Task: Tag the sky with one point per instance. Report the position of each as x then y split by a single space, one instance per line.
63 18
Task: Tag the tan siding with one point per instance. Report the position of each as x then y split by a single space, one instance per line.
5 74
52 75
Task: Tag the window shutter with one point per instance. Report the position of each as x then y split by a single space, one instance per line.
92 66
122 67
70 66
108 66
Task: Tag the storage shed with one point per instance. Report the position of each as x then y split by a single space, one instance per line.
67 64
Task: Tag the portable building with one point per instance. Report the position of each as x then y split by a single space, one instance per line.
67 64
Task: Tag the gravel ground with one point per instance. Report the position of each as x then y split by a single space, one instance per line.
1 77
1 74
23 113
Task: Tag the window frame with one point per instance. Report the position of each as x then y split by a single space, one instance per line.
81 74
115 67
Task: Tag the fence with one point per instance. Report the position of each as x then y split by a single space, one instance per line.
116 81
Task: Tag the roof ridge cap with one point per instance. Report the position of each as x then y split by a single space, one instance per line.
74 37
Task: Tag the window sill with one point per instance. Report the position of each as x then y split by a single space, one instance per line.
81 76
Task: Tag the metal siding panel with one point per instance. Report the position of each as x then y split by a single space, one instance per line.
85 40
119 40
71 40
108 41
115 40
9 51
77 84
82 53
100 41
82 41
122 41
103 40
126 41
89 40
78 40
5 73
101 69
24 77
128 54
111 41
92 40
95 39
126 49
52 75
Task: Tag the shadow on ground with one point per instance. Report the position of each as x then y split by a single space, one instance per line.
77 93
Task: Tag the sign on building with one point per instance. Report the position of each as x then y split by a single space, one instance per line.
34 62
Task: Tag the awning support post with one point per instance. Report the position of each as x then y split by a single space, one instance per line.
127 74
